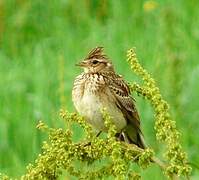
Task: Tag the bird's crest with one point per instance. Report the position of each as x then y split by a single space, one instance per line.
97 53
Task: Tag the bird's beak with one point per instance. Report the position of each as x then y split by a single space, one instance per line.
81 64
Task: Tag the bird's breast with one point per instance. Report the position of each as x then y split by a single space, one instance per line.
90 101
90 105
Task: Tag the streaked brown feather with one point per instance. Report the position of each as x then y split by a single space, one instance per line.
125 102
96 53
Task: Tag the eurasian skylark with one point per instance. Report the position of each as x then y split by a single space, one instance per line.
100 87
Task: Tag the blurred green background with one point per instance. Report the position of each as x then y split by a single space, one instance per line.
40 41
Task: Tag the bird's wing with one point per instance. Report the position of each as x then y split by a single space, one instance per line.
124 101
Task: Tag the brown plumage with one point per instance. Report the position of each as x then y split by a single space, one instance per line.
100 87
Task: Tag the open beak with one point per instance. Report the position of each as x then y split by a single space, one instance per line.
81 64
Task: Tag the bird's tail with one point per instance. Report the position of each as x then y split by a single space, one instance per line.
140 141
132 136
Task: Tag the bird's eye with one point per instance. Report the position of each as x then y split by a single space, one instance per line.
95 61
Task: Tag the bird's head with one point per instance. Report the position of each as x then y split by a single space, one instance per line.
96 62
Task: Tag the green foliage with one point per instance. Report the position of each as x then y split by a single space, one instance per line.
40 41
60 152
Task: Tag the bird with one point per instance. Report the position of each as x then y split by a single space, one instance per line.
98 87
